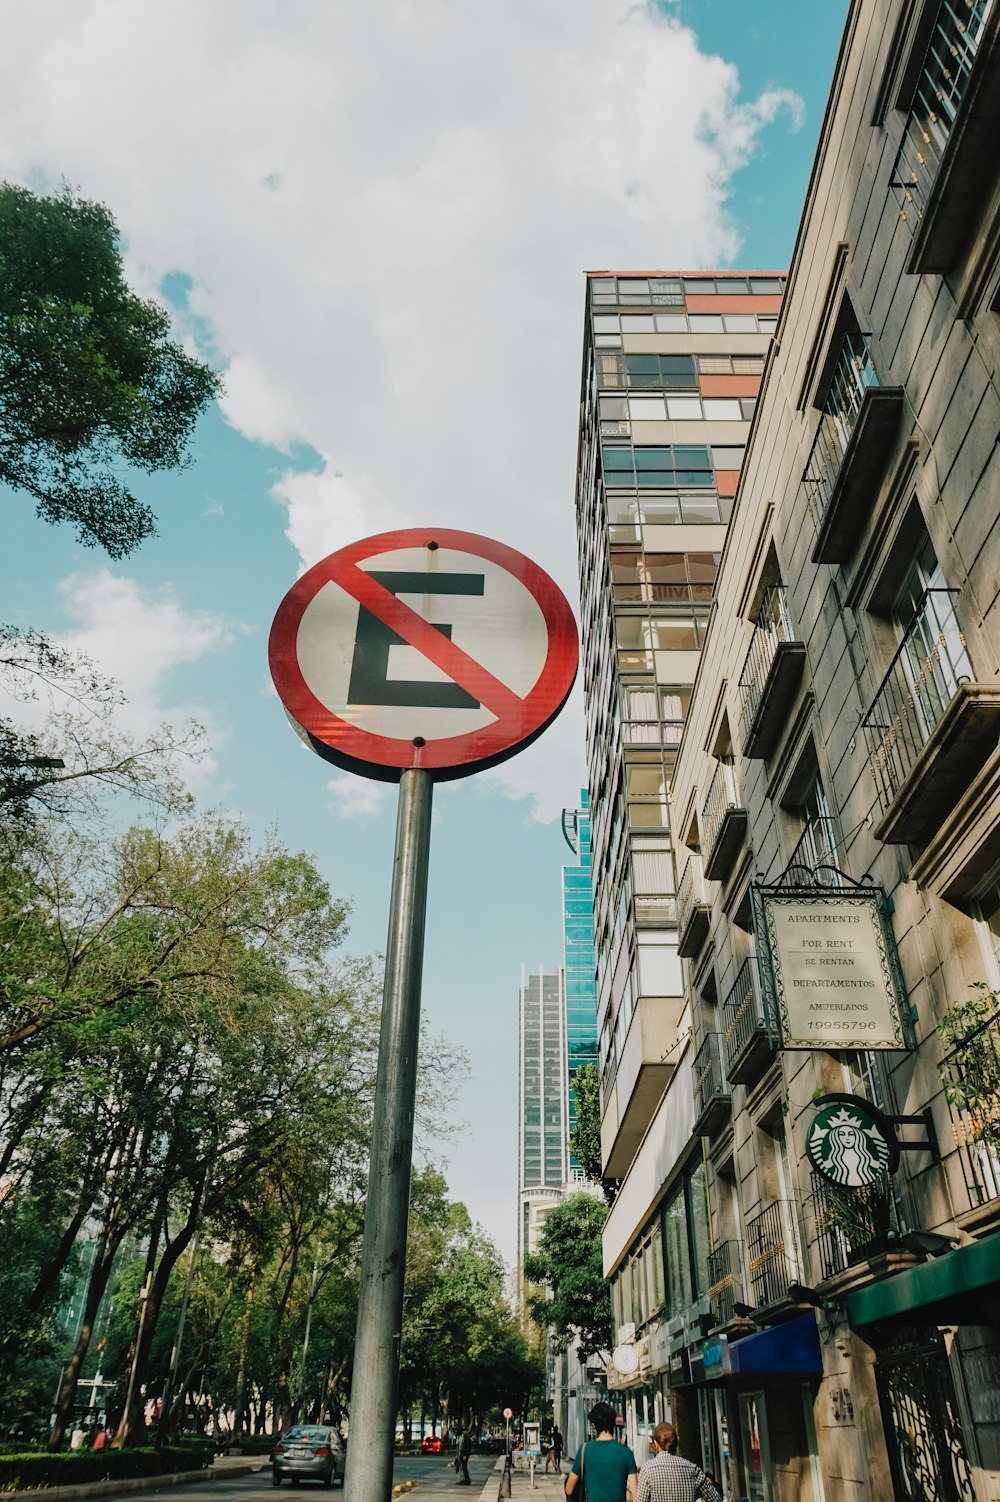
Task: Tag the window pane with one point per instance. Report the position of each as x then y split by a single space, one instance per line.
646 409
653 458
741 323
720 410
678 635
671 323
766 284
766 325
632 286
677 1255
614 406
700 508
707 323
605 323
748 405
698 284
691 456
680 408
637 323
728 458
617 458
607 341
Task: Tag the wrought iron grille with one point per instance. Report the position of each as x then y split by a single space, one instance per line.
690 891
815 850
971 1077
725 1281
773 625
771 1262
722 796
851 1224
709 1075
920 1415
743 1011
944 78
931 663
853 375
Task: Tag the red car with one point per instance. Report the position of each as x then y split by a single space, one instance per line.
431 1444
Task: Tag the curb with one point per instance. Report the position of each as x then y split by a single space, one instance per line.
124 1487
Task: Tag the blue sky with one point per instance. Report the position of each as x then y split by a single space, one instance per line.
374 216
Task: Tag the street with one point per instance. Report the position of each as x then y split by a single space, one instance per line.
435 1474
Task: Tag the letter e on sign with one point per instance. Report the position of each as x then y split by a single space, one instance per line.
423 648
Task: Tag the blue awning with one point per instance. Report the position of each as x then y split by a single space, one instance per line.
791 1347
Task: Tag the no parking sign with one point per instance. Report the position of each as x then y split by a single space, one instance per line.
423 648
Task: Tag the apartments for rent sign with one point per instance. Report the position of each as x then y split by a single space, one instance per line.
834 983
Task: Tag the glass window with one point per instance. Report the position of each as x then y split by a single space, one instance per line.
728 458
698 1221
671 323
678 1257
698 285
722 409
691 456
633 286
646 408
698 508
766 325
682 408
607 341
675 635
707 323
731 285
637 323
748 406
613 406
766 284
606 323
741 323
618 459
674 701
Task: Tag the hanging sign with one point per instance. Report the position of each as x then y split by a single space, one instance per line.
851 1142
834 982
423 648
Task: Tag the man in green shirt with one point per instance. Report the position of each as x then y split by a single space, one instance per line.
608 1468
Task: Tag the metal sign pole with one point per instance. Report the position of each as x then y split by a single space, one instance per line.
371 1442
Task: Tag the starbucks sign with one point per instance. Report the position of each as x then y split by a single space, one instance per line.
851 1142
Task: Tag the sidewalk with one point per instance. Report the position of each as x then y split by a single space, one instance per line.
548 1488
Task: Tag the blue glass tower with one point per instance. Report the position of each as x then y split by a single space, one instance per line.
578 952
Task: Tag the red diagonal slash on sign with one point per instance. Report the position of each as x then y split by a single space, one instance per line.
435 646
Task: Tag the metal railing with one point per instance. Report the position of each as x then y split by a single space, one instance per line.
944 78
853 375
722 796
743 1012
725 1281
971 1077
771 1261
709 1076
773 625
850 1223
816 851
690 891
930 665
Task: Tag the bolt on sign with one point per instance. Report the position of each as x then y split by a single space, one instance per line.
430 649
835 984
851 1143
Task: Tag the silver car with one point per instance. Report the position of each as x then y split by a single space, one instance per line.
310 1450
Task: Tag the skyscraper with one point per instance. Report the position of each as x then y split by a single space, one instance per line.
542 1100
578 955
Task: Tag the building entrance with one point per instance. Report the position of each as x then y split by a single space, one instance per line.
923 1432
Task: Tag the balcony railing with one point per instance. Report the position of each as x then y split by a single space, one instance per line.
711 1092
971 1077
927 670
771 673
747 1040
853 376
725 1282
851 1224
723 821
693 911
771 1262
941 87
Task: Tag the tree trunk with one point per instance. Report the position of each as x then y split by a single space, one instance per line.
241 1373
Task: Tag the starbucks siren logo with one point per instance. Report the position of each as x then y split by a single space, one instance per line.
851 1142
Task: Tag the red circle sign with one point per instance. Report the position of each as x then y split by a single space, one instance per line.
423 648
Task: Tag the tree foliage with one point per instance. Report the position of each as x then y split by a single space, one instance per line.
568 1265
90 381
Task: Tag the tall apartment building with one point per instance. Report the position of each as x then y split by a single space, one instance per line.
806 1246
578 957
543 1108
672 365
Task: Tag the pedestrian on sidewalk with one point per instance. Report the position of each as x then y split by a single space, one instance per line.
554 1452
667 1477
462 1459
607 1468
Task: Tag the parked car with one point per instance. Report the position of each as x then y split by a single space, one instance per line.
311 1450
431 1444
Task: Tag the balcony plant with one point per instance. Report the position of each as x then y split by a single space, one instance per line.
970 1070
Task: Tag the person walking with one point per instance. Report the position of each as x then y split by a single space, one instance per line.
462 1459
554 1452
607 1469
669 1478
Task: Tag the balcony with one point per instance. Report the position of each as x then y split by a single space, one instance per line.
851 1224
849 451
633 1091
693 910
950 132
748 1043
725 1283
930 727
771 1261
712 1100
724 822
771 675
970 1073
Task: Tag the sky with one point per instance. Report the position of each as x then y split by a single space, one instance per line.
373 217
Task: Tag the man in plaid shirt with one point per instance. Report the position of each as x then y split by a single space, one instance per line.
668 1478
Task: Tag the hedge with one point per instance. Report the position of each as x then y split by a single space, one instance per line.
74 1467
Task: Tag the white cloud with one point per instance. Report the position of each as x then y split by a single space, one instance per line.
358 797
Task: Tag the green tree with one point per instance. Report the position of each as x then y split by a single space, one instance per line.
568 1266
585 1138
89 378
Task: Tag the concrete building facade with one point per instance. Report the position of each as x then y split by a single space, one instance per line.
826 1328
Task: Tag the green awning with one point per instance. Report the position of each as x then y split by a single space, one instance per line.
962 1287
